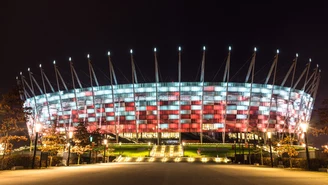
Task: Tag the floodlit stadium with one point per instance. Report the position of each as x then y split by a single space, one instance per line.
167 110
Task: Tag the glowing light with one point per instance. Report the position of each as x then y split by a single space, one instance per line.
296 54
178 159
70 134
155 49
54 62
204 159
127 159
131 51
310 60
255 49
191 159
164 159
204 48
88 56
269 135
179 48
229 48
70 59
28 69
317 65
20 73
108 53
37 127
319 70
40 65
304 127
139 159
277 51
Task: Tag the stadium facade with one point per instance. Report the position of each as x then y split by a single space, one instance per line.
162 110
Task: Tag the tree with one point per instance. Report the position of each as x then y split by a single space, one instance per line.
12 112
81 139
286 146
52 142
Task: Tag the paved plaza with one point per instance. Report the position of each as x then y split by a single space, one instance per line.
162 174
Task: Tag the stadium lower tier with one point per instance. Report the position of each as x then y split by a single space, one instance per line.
174 107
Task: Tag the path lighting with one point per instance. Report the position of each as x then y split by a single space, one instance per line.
37 129
105 145
304 127
270 145
70 136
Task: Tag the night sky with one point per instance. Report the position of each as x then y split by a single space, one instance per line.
39 31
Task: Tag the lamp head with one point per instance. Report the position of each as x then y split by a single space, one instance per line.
37 127
269 135
304 127
70 134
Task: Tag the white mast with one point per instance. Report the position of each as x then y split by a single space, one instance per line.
111 75
226 79
273 66
157 99
251 69
134 80
202 84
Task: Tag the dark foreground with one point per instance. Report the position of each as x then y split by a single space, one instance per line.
162 174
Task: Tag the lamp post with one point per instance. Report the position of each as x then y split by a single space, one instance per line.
234 144
183 147
37 129
149 149
70 136
270 145
304 128
120 143
105 144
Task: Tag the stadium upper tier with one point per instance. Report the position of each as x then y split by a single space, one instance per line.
176 107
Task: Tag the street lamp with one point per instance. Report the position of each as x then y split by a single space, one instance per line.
235 147
37 129
120 143
70 136
270 144
183 147
304 127
105 144
149 149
